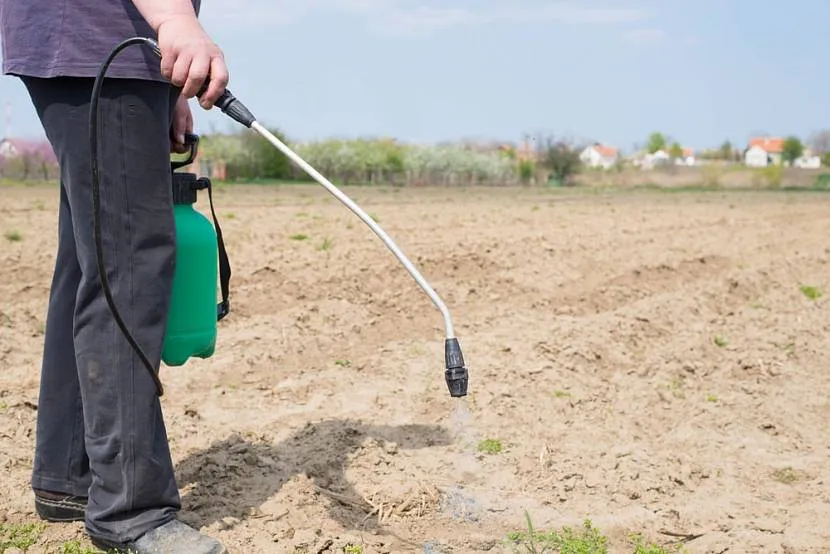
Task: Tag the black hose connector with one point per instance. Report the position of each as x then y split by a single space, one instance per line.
232 107
456 373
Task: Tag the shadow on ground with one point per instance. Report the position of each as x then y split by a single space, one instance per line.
234 476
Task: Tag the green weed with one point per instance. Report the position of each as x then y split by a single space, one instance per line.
587 540
490 446
720 341
342 363
13 236
353 549
787 475
299 236
327 244
75 547
813 293
19 536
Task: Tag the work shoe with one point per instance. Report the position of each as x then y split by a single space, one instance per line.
59 507
173 537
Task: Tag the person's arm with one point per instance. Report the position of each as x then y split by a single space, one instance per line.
188 55
157 12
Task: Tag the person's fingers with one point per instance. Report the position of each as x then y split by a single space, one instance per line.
199 68
218 82
181 70
180 125
188 127
168 61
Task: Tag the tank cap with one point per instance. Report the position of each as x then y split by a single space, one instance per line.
185 186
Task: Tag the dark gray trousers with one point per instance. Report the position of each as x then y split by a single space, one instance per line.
100 431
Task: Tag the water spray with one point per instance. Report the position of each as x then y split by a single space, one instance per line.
455 373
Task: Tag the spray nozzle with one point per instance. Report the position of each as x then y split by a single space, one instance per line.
456 373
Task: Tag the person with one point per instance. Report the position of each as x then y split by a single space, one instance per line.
101 450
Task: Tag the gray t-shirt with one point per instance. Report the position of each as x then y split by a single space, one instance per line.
52 38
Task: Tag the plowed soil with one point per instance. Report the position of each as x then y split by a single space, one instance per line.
650 361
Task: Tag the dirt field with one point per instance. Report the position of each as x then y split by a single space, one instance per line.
649 361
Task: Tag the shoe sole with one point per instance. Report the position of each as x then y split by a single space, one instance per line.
59 511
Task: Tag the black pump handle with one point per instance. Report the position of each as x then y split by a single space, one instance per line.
191 140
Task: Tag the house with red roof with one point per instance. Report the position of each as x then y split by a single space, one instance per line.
764 151
600 155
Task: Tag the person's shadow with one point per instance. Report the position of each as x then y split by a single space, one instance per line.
233 477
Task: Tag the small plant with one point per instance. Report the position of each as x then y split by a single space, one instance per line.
342 363
20 536
327 244
711 398
561 394
230 215
490 446
353 549
813 293
374 218
75 547
299 236
587 540
720 341
13 236
786 475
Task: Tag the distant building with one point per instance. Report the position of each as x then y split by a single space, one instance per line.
598 155
764 151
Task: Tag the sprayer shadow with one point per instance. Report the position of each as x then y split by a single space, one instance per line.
234 476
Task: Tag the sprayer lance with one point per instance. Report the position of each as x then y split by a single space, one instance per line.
456 372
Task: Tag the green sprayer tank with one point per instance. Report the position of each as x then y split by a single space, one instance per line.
200 255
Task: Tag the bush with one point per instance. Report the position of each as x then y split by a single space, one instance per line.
367 161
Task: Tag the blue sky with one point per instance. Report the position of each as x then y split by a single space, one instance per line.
701 71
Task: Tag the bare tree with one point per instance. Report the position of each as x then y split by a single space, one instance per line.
820 142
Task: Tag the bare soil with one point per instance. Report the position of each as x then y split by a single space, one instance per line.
647 360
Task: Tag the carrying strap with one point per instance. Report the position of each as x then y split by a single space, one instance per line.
223 308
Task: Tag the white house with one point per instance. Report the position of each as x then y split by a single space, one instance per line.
808 161
763 151
756 156
598 155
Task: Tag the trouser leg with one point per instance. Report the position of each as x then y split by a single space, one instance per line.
60 462
132 485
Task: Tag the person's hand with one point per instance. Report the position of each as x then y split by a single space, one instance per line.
182 124
189 56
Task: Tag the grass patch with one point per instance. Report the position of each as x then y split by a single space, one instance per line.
19 536
561 394
813 293
720 341
490 446
585 540
353 549
299 236
75 547
13 236
342 363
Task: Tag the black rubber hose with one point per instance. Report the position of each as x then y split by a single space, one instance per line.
96 202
